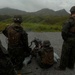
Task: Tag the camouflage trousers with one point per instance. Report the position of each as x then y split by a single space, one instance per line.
17 55
68 55
6 67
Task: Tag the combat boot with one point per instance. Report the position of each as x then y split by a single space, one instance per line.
19 72
59 68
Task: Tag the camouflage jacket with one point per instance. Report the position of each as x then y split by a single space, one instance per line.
16 41
68 29
46 54
22 39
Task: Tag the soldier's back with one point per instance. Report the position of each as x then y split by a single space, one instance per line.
45 57
14 34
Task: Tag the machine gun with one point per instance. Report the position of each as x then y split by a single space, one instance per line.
37 45
37 42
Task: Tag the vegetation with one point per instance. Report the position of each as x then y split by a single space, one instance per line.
41 27
37 23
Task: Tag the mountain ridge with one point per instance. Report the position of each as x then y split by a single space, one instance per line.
44 11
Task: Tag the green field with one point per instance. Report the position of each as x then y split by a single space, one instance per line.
35 27
41 27
37 23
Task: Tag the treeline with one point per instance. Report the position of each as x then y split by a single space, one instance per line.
4 17
36 22
50 20
45 19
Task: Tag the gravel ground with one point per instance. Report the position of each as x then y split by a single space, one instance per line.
54 37
56 41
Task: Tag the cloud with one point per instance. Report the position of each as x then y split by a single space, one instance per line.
35 5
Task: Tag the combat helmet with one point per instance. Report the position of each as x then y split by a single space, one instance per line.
46 43
72 10
17 19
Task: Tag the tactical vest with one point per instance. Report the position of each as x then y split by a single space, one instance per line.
72 29
14 35
47 56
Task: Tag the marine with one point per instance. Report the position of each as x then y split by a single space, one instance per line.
68 47
17 42
45 56
6 66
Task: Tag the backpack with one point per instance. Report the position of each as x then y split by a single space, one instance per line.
14 35
47 56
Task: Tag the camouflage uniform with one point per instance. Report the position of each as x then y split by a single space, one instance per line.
6 67
45 57
68 48
19 50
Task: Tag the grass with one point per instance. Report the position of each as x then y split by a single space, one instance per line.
35 27
41 27
2 25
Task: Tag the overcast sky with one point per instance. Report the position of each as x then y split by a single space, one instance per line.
35 5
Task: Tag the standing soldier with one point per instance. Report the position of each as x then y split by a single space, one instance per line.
6 66
68 48
17 42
